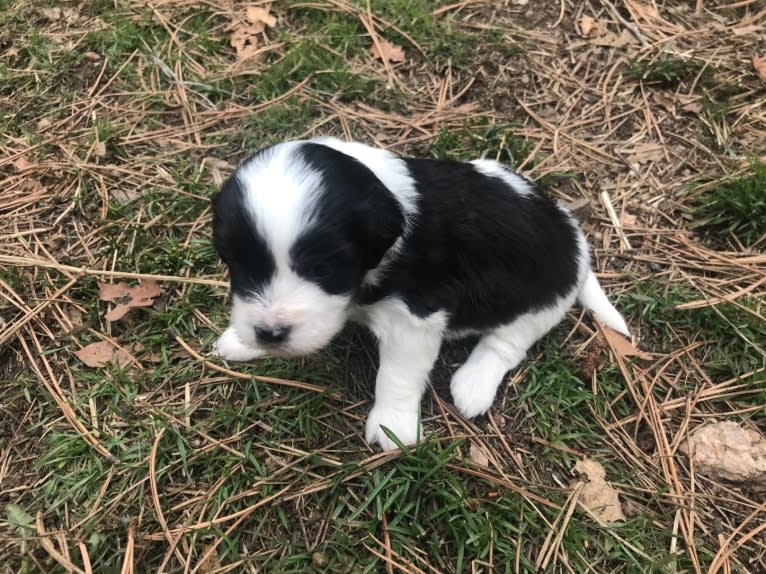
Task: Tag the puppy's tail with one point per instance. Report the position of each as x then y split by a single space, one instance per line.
592 297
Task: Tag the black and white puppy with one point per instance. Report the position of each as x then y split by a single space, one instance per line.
319 232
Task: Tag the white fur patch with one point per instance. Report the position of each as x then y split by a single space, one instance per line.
280 193
409 346
492 168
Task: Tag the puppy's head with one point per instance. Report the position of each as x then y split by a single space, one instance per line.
299 225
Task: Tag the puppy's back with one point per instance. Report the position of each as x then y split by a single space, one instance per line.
487 246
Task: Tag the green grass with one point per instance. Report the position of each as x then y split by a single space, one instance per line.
735 206
480 138
666 71
732 337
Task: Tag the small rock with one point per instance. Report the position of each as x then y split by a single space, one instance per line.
319 559
726 451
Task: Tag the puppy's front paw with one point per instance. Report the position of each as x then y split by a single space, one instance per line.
473 391
229 347
403 423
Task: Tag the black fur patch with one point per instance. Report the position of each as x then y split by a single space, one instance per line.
357 220
479 250
238 243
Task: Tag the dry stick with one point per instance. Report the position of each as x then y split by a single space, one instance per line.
457 5
552 543
95 507
208 496
127 563
371 463
671 472
51 549
156 496
717 299
607 201
724 553
219 520
58 396
243 515
390 563
85 558
387 545
631 28
260 378
369 25
504 483
727 388
514 457
442 411
419 559
33 262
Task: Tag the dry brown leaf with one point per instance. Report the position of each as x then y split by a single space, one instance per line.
590 27
628 219
759 65
644 10
101 353
671 101
56 13
726 451
388 52
645 152
597 495
212 563
21 164
126 297
476 454
123 196
244 38
692 107
623 346
260 17
613 40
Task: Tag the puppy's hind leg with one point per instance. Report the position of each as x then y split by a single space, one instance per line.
475 384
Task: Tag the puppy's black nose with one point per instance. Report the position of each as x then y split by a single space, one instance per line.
272 335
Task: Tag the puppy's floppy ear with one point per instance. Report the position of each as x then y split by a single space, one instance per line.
378 221
228 215
373 216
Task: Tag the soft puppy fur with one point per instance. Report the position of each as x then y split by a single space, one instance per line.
319 232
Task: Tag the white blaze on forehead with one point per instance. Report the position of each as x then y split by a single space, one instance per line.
280 194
